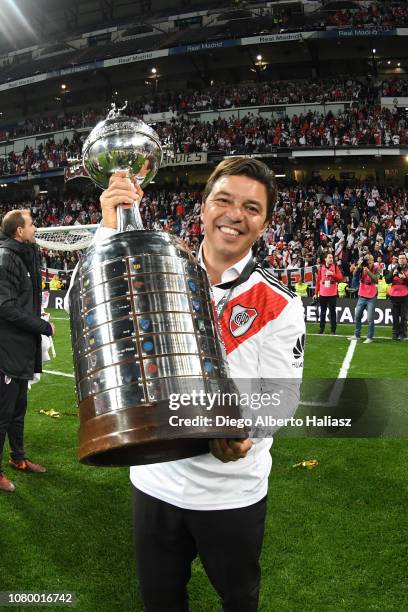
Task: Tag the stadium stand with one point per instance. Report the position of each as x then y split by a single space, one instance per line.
345 214
251 94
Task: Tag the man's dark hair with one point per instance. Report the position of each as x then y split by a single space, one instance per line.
13 220
246 166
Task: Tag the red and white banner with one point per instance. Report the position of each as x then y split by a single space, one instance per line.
291 276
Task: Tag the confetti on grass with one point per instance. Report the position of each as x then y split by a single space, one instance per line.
51 413
309 464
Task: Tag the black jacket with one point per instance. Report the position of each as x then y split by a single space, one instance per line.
392 278
21 325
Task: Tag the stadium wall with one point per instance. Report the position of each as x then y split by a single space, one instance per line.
345 309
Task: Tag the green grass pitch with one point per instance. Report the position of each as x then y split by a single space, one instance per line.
335 537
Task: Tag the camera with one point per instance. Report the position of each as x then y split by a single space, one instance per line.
366 260
399 269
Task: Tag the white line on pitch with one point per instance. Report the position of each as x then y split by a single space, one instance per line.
341 378
59 318
347 336
57 373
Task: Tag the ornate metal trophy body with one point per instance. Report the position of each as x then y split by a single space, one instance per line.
143 329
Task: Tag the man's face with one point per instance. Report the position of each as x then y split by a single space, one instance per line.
329 259
27 233
234 216
402 260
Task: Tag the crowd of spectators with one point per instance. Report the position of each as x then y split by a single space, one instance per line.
51 211
308 222
50 123
355 126
374 15
46 157
253 133
362 91
270 93
271 18
311 221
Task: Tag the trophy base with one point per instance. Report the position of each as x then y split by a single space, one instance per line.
142 435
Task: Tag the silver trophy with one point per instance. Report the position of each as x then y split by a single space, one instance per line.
122 143
143 326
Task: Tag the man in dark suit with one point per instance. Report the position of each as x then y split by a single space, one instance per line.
21 327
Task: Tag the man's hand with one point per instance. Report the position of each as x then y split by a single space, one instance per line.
122 191
226 449
52 328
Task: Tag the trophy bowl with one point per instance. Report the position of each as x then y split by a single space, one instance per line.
143 326
122 143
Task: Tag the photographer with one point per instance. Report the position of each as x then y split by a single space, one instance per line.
367 274
328 277
398 278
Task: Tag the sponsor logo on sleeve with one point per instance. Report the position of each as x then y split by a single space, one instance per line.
298 352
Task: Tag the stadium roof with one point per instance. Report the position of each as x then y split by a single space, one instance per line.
25 23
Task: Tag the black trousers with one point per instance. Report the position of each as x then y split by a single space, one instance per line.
13 406
328 301
399 316
168 538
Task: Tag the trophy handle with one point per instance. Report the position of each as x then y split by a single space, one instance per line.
129 219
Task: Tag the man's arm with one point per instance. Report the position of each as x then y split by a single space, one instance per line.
122 191
281 367
318 278
281 362
338 274
10 311
390 275
374 277
358 269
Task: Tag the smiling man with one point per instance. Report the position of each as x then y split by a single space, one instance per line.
214 505
234 214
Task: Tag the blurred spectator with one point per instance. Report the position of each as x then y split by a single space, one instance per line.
367 273
398 278
55 283
328 277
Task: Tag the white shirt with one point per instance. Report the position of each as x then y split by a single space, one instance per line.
265 350
204 482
